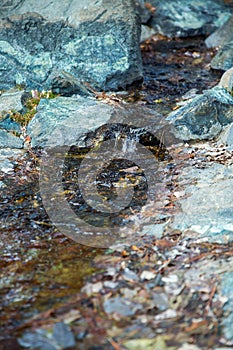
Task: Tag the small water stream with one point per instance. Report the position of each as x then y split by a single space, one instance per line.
40 268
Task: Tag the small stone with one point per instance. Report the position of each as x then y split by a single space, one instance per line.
170 313
92 288
187 346
121 306
147 275
110 284
130 275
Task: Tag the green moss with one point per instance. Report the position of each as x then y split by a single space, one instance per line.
31 107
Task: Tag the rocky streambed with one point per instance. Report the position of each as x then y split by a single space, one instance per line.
156 274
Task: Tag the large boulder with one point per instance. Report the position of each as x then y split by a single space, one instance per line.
188 17
57 45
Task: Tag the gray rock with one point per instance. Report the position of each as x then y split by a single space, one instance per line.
207 212
226 137
188 17
61 338
63 120
8 140
121 306
147 32
155 230
222 35
11 100
9 125
130 275
68 120
8 157
224 58
226 80
58 45
226 288
222 38
203 117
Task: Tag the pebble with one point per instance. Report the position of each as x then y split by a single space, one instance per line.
147 275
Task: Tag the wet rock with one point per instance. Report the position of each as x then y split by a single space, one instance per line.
207 212
121 306
58 42
203 117
8 140
188 18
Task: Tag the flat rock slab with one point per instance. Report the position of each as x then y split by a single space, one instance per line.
64 121
203 117
188 17
50 45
